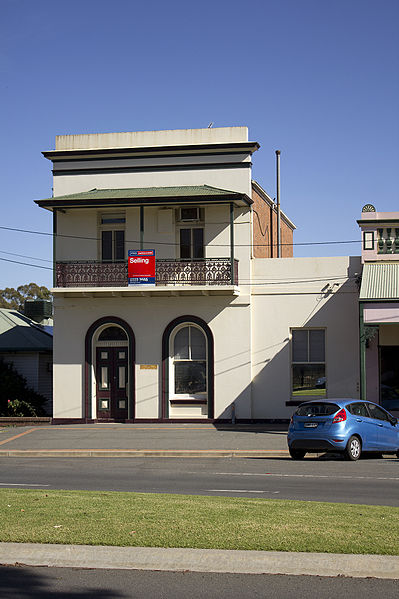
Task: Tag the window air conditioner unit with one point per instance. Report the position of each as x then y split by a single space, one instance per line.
187 215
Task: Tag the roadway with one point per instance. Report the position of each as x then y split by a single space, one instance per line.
74 583
368 481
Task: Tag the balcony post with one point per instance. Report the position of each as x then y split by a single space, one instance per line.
362 341
54 246
232 243
141 227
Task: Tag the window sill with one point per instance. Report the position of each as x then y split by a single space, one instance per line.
187 400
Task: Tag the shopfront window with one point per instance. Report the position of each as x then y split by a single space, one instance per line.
189 361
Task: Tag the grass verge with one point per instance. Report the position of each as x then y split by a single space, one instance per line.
161 520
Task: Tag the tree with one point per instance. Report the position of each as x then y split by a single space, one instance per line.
14 298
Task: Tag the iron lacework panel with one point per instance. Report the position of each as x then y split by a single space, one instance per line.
91 273
209 271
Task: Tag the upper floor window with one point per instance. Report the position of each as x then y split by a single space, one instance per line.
112 229
308 362
192 244
191 233
368 240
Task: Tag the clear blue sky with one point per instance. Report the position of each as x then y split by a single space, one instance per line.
317 79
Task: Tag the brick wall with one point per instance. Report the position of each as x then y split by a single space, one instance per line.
265 230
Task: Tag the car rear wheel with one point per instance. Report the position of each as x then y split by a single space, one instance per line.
353 449
297 454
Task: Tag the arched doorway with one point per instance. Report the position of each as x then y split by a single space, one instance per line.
110 370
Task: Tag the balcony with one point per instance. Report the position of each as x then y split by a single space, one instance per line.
388 243
91 273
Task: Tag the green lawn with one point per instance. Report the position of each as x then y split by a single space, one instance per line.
161 520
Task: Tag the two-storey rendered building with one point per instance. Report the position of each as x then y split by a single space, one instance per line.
222 328
379 307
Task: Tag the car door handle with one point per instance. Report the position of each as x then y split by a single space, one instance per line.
359 420
381 425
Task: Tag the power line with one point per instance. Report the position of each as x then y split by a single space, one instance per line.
248 282
25 264
155 243
252 283
287 281
23 256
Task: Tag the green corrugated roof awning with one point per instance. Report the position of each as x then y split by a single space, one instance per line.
147 195
380 281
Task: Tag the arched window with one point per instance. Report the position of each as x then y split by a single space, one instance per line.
112 334
189 358
187 369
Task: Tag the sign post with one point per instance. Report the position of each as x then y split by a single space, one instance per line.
141 267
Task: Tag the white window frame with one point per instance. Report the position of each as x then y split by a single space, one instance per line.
190 224
121 226
368 240
292 363
172 394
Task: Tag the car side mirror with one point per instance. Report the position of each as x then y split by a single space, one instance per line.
394 421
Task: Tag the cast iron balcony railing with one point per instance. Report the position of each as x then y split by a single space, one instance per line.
388 240
91 273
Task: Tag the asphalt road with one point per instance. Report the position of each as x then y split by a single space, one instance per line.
368 481
63 583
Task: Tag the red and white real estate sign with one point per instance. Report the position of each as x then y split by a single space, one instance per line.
141 267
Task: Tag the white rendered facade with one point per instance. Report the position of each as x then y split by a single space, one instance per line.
187 348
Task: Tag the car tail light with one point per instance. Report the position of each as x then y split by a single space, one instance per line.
340 416
292 420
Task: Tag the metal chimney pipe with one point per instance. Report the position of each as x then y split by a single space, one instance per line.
278 204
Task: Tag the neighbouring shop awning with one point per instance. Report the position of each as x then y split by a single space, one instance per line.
380 281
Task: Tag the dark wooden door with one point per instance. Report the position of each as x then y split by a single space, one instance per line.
112 382
389 377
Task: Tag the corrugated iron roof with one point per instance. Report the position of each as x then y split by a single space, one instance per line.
380 281
146 192
19 333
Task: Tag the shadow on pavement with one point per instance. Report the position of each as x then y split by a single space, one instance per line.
324 457
27 583
270 429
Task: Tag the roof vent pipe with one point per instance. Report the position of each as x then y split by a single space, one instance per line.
278 204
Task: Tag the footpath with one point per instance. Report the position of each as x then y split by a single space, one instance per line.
171 440
144 440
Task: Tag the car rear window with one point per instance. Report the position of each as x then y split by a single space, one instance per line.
317 409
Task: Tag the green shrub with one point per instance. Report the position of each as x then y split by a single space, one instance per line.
18 407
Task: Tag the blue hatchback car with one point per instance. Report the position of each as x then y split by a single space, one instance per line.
348 426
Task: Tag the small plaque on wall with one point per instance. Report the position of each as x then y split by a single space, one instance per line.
148 366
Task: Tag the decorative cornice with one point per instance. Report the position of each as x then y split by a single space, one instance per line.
151 168
181 150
